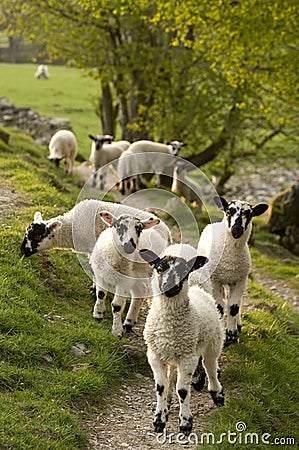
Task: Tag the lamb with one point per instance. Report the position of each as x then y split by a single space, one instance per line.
63 145
103 152
225 243
42 71
184 187
78 230
131 165
115 269
182 326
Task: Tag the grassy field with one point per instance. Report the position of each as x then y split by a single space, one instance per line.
47 393
66 94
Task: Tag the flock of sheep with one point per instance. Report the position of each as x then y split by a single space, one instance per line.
132 254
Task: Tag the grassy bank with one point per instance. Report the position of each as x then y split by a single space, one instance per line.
45 310
46 392
66 94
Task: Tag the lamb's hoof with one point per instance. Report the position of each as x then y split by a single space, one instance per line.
239 328
128 327
218 397
187 428
158 424
199 384
93 292
231 338
98 319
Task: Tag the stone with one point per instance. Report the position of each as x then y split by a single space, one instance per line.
41 128
284 218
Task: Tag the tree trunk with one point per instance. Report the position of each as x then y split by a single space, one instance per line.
108 112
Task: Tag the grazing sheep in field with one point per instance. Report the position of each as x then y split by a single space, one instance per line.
139 158
42 71
63 145
225 243
103 152
182 326
113 267
79 229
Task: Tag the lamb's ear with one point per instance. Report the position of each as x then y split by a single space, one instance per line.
149 223
54 224
197 262
259 209
149 256
221 203
107 218
91 137
37 217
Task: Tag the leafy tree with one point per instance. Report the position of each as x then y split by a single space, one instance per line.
220 74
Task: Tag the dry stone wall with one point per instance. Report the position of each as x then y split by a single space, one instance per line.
41 128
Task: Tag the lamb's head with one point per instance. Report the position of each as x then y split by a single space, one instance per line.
172 271
127 229
176 146
239 214
39 234
99 140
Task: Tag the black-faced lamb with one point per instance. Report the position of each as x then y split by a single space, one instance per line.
225 243
116 264
139 158
63 145
78 230
103 152
182 326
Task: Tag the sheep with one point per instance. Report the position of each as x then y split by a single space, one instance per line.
183 325
184 187
78 230
225 243
131 165
113 267
102 154
63 145
42 71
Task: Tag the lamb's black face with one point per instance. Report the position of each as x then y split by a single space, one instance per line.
239 215
34 235
176 147
172 273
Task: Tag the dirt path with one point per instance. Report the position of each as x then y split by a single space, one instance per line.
126 421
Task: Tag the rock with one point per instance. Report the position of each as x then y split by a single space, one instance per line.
284 218
39 127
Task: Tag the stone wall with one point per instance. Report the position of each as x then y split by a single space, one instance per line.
39 127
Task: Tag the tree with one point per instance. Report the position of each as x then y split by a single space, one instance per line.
219 74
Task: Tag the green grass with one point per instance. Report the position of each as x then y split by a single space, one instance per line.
261 376
46 392
66 94
44 311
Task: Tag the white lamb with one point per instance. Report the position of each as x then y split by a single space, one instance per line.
103 152
79 229
139 158
42 71
182 326
115 269
225 243
63 145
